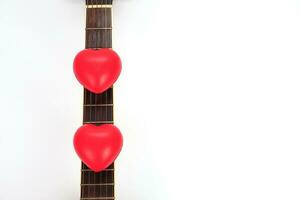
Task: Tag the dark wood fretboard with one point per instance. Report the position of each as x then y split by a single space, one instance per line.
98 108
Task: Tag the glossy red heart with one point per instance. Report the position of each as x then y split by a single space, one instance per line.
97 70
98 146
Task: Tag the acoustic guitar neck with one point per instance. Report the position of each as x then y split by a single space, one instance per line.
98 108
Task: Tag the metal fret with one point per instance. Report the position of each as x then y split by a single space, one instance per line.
88 170
99 105
100 28
94 184
99 122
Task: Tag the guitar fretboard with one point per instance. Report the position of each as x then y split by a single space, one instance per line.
98 108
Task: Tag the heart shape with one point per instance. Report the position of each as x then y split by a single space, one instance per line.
97 69
98 146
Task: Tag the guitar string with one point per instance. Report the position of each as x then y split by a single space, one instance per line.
112 173
86 119
94 16
90 119
106 41
101 46
90 13
82 192
82 165
112 111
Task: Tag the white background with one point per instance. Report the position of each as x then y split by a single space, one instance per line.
208 100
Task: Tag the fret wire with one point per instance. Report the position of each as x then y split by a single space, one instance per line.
86 167
98 105
99 28
98 122
100 184
89 170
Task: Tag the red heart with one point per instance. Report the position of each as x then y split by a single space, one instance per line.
98 146
97 70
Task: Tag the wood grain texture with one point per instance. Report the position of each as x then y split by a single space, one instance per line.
98 107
